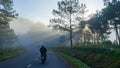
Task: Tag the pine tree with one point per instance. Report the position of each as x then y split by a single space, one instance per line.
69 11
7 35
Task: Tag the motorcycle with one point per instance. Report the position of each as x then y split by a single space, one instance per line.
43 59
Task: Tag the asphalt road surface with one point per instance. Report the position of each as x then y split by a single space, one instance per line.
31 59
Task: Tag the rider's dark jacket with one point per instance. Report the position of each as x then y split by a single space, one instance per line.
43 51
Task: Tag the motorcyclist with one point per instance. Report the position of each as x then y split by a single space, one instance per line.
43 51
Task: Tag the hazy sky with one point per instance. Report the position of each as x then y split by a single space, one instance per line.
41 10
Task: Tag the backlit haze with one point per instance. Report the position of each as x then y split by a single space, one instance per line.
34 16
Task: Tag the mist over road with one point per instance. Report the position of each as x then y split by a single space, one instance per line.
32 36
31 59
29 32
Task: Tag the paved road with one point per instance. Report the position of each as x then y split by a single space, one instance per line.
31 59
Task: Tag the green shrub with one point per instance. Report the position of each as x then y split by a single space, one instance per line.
108 42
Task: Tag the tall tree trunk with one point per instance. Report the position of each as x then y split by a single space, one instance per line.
84 37
96 40
71 41
102 38
97 36
93 38
117 34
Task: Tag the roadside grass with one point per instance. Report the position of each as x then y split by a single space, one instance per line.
7 53
95 57
74 63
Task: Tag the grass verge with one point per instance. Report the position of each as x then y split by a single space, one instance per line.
74 63
8 53
95 57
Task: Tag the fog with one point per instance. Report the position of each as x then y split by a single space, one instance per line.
31 33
